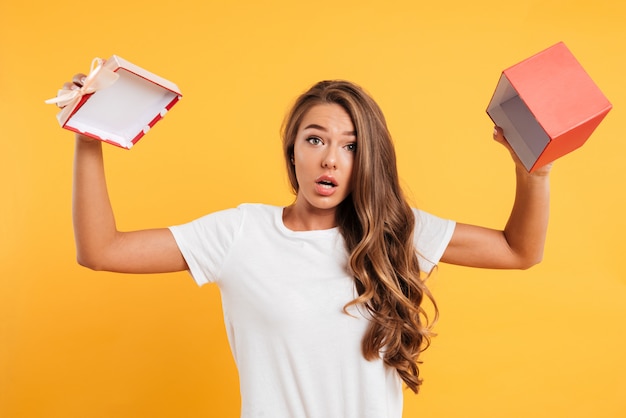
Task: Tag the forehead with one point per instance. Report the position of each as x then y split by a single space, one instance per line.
329 116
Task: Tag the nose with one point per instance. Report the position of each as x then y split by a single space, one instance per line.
330 159
329 162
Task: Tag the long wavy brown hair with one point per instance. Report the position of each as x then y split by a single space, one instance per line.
377 225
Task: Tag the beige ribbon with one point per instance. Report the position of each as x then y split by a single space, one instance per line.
98 78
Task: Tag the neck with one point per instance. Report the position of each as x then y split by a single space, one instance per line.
299 218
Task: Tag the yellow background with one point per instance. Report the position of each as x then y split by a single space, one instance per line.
548 342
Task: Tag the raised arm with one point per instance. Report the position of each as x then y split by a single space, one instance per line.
520 244
99 245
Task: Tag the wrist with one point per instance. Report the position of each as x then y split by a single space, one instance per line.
541 174
83 139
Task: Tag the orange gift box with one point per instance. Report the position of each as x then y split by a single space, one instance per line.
118 103
547 106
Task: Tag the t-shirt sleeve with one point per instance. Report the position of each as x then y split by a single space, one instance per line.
206 242
432 236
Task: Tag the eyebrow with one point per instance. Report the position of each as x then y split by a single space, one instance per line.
321 128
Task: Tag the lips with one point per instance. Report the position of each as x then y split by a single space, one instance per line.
325 185
326 180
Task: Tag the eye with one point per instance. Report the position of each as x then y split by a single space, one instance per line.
351 147
314 140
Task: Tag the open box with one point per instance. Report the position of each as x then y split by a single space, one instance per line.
123 108
547 106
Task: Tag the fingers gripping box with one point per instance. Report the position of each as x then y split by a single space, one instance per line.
118 103
547 106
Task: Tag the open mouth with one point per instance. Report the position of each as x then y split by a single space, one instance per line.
327 183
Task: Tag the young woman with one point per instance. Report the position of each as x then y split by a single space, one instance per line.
322 299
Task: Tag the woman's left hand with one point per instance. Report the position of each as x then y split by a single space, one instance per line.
498 136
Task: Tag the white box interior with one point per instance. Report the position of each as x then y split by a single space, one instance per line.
521 129
121 111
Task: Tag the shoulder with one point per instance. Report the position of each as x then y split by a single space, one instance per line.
431 238
237 214
425 221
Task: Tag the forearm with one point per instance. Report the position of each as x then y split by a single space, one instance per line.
94 222
520 245
527 226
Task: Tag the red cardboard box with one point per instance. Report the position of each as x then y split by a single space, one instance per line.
118 103
547 106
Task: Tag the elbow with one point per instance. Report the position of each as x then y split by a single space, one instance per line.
90 262
529 262
93 255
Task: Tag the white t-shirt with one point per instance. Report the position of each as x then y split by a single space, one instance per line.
283 293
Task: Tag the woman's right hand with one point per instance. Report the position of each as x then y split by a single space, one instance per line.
75 84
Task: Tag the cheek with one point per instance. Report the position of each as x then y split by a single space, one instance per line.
349 163
305 158
301 166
